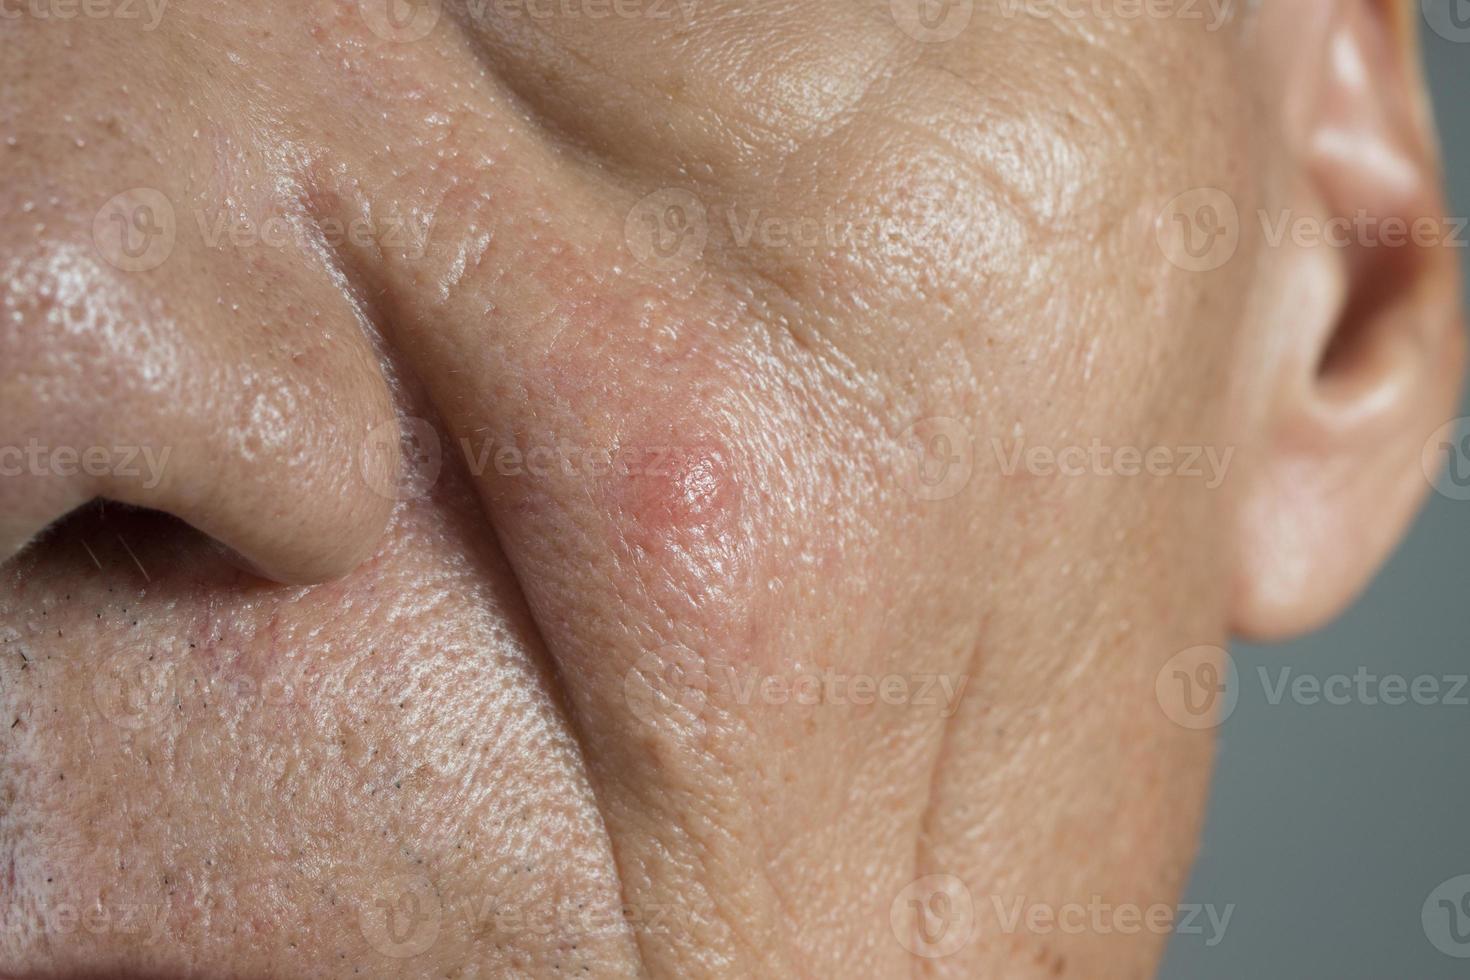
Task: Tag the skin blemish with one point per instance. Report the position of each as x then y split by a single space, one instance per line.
697 488
680 496
681 504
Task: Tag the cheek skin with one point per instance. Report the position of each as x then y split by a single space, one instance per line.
476 729
682 513
681 495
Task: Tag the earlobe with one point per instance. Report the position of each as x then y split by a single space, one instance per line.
1363 326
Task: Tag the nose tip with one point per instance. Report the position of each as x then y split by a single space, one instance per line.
244 419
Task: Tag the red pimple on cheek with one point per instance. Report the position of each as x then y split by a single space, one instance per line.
680 495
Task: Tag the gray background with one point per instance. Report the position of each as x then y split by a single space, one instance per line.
1330 825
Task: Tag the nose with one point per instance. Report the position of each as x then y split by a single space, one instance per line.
233 390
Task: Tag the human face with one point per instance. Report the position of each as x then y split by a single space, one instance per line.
825 444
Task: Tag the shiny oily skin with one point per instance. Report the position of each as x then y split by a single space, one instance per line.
455 725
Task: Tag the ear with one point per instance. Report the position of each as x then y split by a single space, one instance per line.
1361 335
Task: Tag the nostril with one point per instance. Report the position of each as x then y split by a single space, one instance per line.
135 544
303 516
244 419
41 480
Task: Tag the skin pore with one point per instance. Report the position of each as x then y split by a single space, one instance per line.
700 626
